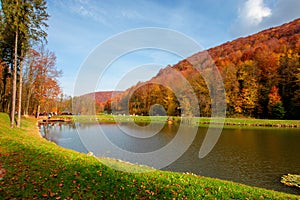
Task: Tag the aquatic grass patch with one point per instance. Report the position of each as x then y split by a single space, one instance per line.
291 180
36 169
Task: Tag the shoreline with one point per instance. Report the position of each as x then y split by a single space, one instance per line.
198 121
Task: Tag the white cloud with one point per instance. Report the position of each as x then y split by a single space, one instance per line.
90 11
130 14
254 11
251 15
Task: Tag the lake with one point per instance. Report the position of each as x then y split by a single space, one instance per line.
252 156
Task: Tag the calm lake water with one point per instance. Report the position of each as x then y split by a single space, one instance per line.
252 156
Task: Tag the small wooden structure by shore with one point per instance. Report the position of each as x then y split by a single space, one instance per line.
54 120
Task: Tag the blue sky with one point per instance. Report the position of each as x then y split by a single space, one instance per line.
77 27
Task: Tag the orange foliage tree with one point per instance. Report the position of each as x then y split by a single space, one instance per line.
41 82
275 107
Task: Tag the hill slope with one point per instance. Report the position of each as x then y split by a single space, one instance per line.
260 75
103 96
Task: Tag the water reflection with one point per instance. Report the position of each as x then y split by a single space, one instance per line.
64 134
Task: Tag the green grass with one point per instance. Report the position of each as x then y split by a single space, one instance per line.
37 169
266 122
201 121
114 118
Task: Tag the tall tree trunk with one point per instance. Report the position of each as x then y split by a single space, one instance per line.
28 89
27 101
38 110
20 92
14 83
3 97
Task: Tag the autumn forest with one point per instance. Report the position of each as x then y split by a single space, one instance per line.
261 77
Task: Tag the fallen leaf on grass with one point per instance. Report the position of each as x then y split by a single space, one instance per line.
52 194
2 173
53 175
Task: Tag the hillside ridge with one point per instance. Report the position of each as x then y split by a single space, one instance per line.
260 75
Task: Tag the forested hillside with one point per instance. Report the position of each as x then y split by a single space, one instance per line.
261 72
95 101
261 76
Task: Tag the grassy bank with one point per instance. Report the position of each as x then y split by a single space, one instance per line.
256 122
36 168
201 121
